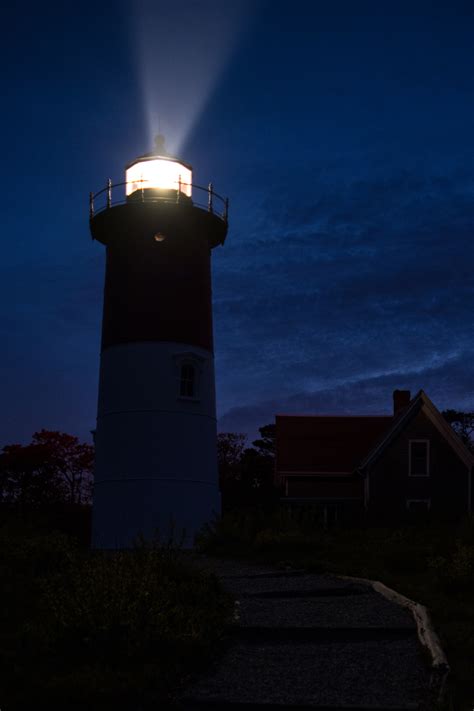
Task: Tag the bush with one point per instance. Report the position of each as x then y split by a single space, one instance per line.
26 558
455 573
129 604
465 532
263 532
102 625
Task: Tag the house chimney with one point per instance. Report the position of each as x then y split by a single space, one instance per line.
401 400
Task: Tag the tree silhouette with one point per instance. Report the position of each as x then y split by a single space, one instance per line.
463 424
54 468
230 448
246 474
266 445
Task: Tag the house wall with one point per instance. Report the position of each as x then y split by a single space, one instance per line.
334 501
390 484
319 487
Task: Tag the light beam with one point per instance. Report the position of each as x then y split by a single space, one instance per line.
183 50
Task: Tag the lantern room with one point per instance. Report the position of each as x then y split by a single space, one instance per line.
158 172
161 183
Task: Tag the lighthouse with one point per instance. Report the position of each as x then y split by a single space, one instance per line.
155 438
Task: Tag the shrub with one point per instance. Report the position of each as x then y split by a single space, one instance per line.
455 573
130 603
101 625
465 531
239 532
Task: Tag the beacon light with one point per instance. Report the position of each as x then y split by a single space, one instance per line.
157 179
158 172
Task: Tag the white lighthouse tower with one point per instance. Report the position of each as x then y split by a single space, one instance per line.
156 464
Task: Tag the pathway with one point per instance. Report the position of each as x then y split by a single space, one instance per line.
305 641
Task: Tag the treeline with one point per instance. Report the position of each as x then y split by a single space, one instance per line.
54 468
47 484
246 474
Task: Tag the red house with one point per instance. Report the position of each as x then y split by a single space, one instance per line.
385 468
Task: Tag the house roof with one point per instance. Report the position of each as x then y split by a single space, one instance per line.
325 445
420 401
340 445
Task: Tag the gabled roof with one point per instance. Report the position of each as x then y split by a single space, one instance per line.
325 445
420 402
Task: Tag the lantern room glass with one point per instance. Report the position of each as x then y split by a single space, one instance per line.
159 173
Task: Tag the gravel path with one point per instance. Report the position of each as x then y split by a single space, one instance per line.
313 642
368 611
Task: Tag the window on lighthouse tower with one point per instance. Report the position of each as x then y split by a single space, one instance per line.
187 385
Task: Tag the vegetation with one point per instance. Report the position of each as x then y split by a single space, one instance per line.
54 468
126 628
431 563
246 473
463 424
118 629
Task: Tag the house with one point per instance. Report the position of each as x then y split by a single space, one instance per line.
385 468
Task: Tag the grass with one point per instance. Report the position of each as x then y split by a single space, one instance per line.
100 630
430 563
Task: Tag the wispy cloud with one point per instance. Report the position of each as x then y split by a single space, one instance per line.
449 384
370 278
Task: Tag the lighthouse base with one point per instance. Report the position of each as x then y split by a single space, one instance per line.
156 460
131 510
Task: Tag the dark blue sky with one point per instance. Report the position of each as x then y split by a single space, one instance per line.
343 134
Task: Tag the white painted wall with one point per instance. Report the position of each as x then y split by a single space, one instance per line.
155 451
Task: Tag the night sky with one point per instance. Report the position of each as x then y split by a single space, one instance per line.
342 133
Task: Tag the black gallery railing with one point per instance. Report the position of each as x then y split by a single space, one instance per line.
208 199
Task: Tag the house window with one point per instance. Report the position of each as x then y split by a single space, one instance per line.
187 383
419 457
418 505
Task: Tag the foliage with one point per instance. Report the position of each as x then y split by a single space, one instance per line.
455 572
266 445
463 424
247 473
230 449
26 477
261 532
258 462
102 627
54 468
129 604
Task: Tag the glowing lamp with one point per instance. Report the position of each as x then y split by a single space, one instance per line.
158 172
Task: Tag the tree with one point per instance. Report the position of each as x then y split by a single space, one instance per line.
463 424
230 448
26 478
54 468
266 446
247 473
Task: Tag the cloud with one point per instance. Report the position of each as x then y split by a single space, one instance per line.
372 277
448 384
